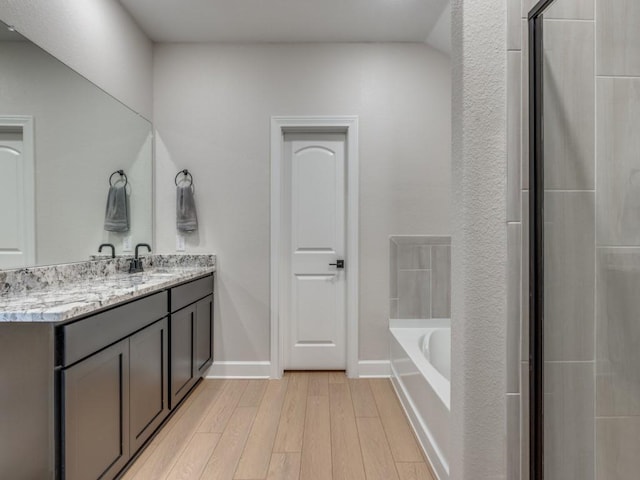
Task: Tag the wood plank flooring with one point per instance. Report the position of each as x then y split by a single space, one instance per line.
306 426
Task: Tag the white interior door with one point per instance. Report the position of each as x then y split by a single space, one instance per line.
17 247
314 239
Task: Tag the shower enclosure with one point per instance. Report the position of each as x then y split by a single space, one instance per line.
584 266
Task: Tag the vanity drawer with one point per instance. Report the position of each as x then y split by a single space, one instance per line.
91 334
191 292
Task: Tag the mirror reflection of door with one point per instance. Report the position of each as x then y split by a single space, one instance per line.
83 135
17 246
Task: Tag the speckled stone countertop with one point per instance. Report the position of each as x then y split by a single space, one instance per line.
87 294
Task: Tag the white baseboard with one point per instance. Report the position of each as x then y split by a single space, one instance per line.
366 369
240 370
374 368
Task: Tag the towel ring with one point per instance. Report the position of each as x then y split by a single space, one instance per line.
186 173
122 174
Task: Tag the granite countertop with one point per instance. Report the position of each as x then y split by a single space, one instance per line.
61 303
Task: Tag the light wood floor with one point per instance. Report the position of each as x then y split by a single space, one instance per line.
307 426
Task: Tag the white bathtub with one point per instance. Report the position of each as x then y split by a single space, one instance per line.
421 365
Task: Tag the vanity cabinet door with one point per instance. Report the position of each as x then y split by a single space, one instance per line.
204 335
183 338
149 376
96 414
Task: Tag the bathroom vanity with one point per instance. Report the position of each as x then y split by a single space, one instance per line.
90 371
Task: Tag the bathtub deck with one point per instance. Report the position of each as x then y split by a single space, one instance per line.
306 426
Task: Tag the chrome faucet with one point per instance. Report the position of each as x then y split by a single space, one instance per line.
136 263
110 245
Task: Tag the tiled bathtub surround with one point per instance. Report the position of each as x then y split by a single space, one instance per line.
25 280
420 277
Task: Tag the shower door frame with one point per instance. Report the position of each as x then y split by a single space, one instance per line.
536 241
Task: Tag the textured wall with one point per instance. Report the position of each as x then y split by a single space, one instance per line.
478 303
213 106
96 38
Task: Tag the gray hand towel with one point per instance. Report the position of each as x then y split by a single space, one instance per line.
186 219
116 217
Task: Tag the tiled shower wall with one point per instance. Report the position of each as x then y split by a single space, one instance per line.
420 277
592 245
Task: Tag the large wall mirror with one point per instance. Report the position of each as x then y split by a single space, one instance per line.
61 139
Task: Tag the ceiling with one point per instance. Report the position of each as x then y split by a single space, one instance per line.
287 20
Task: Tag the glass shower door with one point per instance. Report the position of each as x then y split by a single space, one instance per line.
585 240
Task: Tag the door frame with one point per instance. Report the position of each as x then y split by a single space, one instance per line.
25 124
348 125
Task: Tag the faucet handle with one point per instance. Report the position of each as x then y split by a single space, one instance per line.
134 265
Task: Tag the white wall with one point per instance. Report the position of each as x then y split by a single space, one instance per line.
479 241
97 38
212 110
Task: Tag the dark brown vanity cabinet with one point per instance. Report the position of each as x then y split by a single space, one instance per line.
96 420
204 335
191 335
114 401
85 395
148 382
183 332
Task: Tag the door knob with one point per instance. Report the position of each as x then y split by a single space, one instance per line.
338 264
